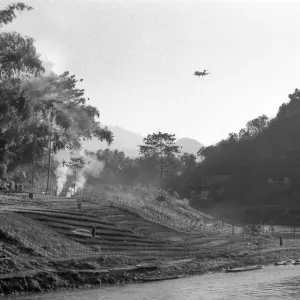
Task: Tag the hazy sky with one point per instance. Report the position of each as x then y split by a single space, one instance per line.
137 59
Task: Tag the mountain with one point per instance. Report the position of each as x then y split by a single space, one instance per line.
124 140
189 145
128 142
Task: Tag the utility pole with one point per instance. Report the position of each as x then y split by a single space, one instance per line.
75 182
49 154
161 173
33 155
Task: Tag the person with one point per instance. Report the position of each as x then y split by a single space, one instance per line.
79 204
93 232
280 240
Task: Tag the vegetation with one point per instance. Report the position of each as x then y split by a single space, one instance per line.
40 112
256 169
162 146
259 158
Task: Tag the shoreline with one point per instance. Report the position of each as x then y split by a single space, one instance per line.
64 276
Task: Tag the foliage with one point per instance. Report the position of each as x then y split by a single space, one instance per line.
160 145
37 108
265 149
18 57
76 162
8 14
17 53
114 157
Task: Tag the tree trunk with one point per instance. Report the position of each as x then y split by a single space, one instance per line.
161 174
49 156
33 157
75 182
2 159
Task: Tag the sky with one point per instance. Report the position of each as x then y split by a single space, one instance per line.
137 59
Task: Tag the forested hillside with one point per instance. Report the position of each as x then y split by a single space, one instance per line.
265 149
262 161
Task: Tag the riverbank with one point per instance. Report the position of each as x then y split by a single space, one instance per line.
40 250
111 270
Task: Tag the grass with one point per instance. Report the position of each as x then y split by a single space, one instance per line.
36 237
133 224
40 234
158 226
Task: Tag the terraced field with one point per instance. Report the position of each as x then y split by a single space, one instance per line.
109 237
119 229
134 222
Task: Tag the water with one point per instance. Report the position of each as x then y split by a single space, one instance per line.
269 283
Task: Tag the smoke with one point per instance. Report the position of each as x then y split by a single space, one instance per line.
61 177
92 167
62 171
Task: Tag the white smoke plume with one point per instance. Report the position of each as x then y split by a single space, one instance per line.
62 171
92 167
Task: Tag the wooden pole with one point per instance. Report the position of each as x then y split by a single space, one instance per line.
161 174
49 156
33 155
75 182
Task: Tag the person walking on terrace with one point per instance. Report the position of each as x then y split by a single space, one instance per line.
93 232
280 240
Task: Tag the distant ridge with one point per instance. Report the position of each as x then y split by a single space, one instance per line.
128 141
189 145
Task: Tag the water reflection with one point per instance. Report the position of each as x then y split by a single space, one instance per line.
281 282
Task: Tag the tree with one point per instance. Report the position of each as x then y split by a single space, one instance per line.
161 145
114 157
18 59
189 161
257 125
39 113
76 163
17 53
8 14
49 114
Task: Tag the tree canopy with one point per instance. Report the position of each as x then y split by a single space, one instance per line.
37 106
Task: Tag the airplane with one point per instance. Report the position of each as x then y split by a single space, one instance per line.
197 73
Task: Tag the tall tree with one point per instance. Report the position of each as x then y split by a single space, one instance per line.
17 53
18 59
37 111
161 145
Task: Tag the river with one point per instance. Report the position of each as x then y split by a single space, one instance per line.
271 282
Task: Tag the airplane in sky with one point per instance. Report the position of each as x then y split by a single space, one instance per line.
197 73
